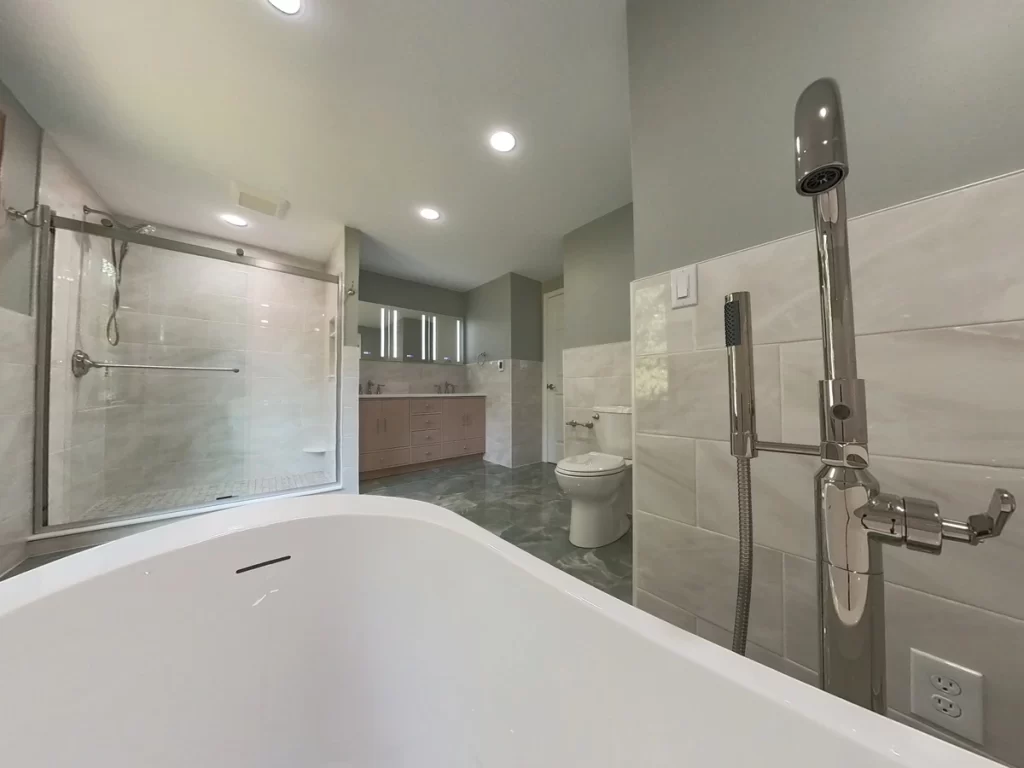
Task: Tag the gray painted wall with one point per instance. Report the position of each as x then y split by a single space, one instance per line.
396 292
19 186
504 318
553 284
489 320
598 263
933 92
527 319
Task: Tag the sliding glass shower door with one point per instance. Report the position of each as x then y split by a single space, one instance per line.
180 381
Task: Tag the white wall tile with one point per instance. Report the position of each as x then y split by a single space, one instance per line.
941 351
800 610
947 394
782 278
16 439
695 570
971 637
665 611
723 638
688 394
15 514
921 244
598 360
987 576
657 328
665 477
783 497
17 383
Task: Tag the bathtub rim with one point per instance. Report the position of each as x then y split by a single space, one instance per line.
881 735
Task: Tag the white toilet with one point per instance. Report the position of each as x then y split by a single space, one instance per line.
599 483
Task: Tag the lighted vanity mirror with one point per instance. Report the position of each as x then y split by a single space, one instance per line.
395 334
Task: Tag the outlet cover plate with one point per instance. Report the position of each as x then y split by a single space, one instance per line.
938 686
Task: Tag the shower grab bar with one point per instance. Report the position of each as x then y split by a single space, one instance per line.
81 364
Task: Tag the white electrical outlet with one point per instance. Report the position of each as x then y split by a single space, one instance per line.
948 695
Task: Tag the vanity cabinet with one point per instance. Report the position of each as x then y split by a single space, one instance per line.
463 419
396 432
383 425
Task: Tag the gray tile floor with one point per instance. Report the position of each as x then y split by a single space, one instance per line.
525 507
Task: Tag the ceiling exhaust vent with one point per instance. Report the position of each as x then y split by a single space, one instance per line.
259 201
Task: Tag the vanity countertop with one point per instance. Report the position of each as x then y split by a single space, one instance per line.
385 396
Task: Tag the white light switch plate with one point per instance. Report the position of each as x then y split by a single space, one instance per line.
948 695
684 287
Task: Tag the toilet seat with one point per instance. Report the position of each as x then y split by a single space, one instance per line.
592 464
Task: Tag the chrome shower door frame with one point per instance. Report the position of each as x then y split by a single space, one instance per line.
46 224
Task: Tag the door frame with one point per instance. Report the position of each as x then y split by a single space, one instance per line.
544 371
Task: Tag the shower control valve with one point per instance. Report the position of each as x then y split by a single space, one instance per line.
918 523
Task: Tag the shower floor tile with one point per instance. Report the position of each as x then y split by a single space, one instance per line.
191 496
525 507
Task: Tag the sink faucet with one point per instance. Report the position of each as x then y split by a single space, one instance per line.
449 389
369 386
853 516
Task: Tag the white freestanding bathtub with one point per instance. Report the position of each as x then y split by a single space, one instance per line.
397 634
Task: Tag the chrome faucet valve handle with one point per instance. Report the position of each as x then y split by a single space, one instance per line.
988 524
984 526
917 522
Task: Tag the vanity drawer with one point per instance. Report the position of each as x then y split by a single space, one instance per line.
383 459
426 437
421 421
424 453
464 447
424 405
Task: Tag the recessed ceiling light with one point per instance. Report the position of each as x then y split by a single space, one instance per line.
503 141
233 220
430 214
291 7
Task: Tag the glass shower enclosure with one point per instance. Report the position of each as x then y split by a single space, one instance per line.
182 377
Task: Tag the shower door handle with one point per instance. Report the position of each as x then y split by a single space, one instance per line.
81 364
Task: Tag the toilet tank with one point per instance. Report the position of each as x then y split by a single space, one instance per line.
614 429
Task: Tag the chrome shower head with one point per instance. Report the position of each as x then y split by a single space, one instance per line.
820 135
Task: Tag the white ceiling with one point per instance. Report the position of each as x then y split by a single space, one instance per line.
357 112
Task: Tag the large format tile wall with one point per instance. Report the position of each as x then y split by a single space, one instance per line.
82 267
527 411
592 376
513 401
413 378
176 429
939 294
17 408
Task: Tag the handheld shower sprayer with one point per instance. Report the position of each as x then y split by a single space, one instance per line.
739 347
117 257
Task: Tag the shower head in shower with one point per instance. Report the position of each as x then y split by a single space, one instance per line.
820 136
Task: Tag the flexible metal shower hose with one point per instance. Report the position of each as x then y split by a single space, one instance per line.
113 332
746 569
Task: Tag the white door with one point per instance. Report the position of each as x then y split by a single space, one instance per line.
554 322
